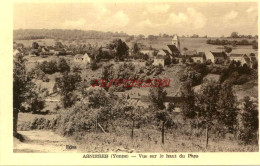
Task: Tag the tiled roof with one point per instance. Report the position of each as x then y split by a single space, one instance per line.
237 55
219 54
79 56
160 57
190 52
173 48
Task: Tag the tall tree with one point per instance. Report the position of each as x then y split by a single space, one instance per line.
136 49
35 45
121 49
227 107
207 103
248 121
157 97
189 110
21 87
234 35
66 85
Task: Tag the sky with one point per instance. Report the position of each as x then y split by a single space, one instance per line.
212 18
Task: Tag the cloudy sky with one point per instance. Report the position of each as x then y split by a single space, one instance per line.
212 19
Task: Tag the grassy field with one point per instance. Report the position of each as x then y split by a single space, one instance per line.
149 140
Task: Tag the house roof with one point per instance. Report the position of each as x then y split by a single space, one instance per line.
237 55
79 56
173 49
198 56
190 52
166 51
162 52
219 54
160 57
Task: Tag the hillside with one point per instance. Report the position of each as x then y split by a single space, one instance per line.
28 34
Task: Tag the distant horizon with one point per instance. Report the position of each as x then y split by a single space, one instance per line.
180 35
184 18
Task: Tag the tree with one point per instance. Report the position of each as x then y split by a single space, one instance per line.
107 75
135 114
255 45
35 45
189 110
248 121
136 49
227 107
66 85
93 65
207 103
21 87
62 66
58 44
228 49
234 35
49 67
157 96
121 49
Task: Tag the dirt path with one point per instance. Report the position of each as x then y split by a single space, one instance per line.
40 141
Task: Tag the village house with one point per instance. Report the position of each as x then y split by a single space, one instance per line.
216 57
173 50
149 52
17 51
242 58
80 58
189 53
159 59
198 58
176 42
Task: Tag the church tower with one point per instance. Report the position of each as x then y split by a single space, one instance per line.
176 42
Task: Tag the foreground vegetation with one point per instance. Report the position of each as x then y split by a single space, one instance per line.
210 118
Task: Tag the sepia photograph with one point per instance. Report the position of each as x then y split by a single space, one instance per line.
160 77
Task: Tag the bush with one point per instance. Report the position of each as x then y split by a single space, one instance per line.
241 80
62 66
38 124
49 67
93 65
78 119
248 121
42 123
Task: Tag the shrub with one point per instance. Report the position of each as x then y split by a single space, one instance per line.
248 121
241 80
93 65
62 66
49 67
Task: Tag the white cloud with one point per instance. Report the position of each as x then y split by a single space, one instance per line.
251 9
74 24
120 19
158 8
99 9
191 18
231 15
